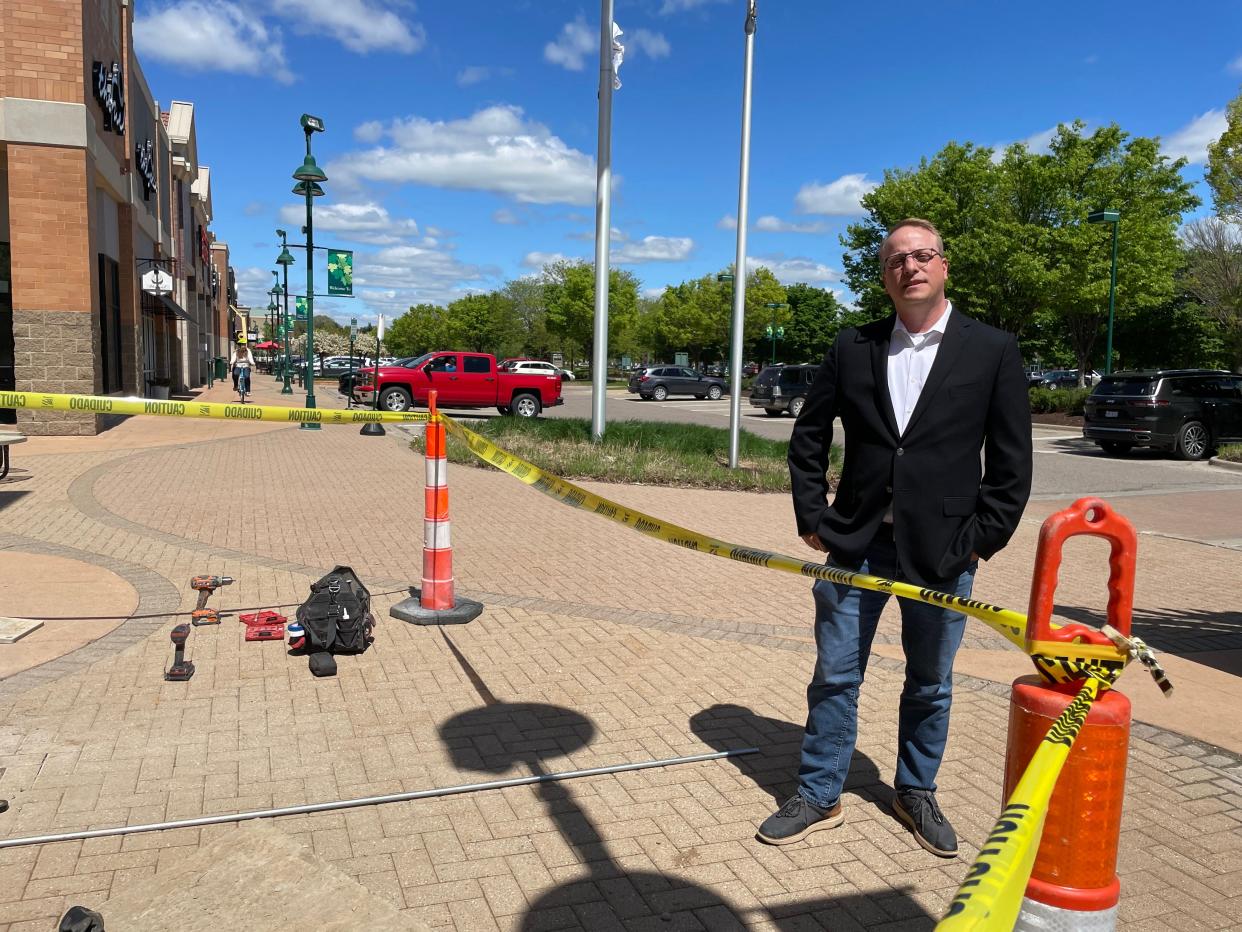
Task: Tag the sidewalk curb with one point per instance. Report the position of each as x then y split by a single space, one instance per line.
1225 464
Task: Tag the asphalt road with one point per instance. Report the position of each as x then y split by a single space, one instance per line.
1066 466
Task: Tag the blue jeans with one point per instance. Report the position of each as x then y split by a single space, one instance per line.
845 623
243 379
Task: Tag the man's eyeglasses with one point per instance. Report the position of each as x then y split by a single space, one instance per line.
920 256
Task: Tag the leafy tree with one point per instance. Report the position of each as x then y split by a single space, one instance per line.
1214 277
526 295
569 297
816 316
696 316
1224 165
421 329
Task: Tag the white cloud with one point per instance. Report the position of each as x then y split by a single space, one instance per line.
211 36
254 208
360 25
364 223
495 149
651 44
791 271
576 41
370 132
1235 66
727 222
840 198
588 236
678 6
507 217
473 74
392 279
654 249
537 260
771 224
654 293
252 286
1191 141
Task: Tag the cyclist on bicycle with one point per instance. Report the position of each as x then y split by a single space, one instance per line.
242 361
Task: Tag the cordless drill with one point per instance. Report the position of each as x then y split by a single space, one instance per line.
206 585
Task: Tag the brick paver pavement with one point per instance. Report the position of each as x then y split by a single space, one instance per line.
598 646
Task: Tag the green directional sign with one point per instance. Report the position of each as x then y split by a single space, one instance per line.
299 308
340 272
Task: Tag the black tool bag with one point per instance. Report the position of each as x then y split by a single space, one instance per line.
337 616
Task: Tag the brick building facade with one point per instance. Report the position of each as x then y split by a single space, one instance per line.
97 189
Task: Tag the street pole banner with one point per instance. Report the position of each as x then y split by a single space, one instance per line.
341 272
299 308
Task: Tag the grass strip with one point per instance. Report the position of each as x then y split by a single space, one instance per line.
638 453
1230 453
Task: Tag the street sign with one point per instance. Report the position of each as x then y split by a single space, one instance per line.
157 282
353 328
340 272
299 308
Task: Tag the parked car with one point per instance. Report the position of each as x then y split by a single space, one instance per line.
461 380
349 381
659 382
1186 411
782 388
1065 378
535 367
751 368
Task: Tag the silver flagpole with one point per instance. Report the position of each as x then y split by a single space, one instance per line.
737 328
603 224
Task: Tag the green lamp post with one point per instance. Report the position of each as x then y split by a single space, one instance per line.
774 332
308 176
1113 217
284 260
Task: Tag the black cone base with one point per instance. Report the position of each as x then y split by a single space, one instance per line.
412 611
373 429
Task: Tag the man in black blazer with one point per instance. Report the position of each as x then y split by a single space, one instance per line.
920 394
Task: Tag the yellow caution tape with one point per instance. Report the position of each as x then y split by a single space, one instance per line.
991 895
102 404
1060 662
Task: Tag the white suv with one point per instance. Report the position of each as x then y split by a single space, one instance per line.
534 367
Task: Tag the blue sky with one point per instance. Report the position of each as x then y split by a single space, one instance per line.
461 136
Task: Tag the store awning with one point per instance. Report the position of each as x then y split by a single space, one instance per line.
173 309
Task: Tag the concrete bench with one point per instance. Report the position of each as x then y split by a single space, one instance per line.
7 439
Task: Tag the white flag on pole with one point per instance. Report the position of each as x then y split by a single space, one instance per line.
618 55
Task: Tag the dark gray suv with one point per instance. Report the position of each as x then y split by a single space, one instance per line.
1187 411
659 382
782 388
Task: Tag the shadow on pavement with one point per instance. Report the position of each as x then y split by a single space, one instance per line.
774 769
10 496
1192 633
500 736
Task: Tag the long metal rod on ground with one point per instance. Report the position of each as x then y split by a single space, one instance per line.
368 800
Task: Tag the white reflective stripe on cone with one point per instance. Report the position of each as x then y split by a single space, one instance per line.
1040 917
436 535
437 473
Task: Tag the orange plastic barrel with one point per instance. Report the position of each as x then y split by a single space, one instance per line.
1076 866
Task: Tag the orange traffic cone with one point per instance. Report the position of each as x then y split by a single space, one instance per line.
435 603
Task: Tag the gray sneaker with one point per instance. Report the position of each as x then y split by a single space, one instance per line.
918 810
797 819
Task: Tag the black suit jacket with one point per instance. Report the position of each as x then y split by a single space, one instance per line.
945 503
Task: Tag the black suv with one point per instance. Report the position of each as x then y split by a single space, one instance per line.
1188 411
782 388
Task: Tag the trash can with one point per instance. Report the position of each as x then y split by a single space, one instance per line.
222 367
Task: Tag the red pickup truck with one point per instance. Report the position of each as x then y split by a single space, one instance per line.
461 380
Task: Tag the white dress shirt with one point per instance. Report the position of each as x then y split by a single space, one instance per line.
910 358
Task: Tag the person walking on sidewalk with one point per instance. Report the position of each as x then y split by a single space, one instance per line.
242 363
919 394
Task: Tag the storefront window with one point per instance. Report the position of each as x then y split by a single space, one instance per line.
109 324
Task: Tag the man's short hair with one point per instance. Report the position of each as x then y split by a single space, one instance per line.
914 222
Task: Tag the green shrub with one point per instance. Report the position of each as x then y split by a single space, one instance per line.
1058 400
1230 453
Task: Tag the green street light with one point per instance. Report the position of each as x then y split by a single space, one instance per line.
1113 217
309 175
284 260
726 277
774 332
